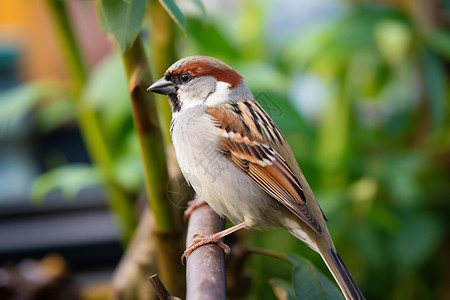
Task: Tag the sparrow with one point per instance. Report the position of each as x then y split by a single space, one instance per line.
236 159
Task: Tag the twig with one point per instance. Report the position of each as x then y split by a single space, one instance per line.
160 289
88 119
138 261
266 252
205 267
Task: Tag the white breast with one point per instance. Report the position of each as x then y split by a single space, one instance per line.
226 189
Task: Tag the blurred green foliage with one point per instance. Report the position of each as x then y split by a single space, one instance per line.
371 134
362 95
308 282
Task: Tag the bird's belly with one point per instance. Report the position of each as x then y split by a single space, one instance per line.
232 194
228 191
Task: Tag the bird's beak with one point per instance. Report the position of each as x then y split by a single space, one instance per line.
162 86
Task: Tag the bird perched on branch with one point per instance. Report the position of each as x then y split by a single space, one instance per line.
238 161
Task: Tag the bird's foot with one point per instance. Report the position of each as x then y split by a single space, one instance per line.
193 205
202 239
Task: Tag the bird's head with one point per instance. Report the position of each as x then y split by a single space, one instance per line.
200 80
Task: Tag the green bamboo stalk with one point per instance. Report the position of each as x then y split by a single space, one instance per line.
88 122
162 45
168 235
333 135
72 54
149 135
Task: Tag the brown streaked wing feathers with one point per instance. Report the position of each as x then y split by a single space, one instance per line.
248 154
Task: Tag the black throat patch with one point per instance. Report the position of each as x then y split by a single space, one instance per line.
175 103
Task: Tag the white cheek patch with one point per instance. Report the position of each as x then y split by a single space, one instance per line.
204 93
188 101
220 95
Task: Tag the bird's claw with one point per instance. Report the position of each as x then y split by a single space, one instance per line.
201 239
193 205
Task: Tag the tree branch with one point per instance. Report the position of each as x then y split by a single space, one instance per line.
205 267
160 289
129 281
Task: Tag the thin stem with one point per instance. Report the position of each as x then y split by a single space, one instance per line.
273 254
88 121
72 53
162 45
149 136
167 234
160 289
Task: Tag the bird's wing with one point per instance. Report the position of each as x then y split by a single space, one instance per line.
244 131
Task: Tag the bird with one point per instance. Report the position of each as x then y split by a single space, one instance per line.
236 158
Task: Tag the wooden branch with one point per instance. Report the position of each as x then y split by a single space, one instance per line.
129 281
205 267
160 289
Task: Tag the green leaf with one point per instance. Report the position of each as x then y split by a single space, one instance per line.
70 179
106 86
393 38
175 13
200 5
210 41
369 246
128 171
309 282
101 17
439 41
18 102
55 114
282 289
416 241
331 45
124 19
334 130
383 218
435 84
399 173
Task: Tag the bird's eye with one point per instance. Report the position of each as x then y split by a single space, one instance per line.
185 77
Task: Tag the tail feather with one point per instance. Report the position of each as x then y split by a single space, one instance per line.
342 276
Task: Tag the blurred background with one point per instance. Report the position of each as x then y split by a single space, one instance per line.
359 88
